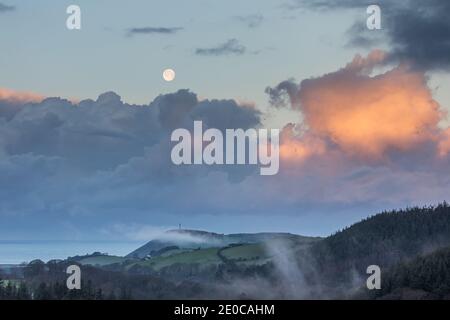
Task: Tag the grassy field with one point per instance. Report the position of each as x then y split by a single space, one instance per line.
245 252
201 256
101 260
173 252
248 254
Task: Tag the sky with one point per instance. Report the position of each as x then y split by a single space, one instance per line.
86 117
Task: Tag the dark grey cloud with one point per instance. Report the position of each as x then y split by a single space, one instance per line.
335 4
174 108
55 154
9 108
421 33
153 30
251 21
283 94
417 31
6 8
361 37
226 114
232 46
104 133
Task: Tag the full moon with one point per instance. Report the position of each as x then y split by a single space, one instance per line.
169 75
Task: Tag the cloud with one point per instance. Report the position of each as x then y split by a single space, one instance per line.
361 37
251 21
174 108
55 154
226 114
416 31
364 114
19 96
420 33
330 4
153 30
232 46
11 102
6 8
283 90
138 232
107 132
296 148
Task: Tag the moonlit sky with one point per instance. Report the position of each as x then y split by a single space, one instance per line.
39 54
43 56
97 174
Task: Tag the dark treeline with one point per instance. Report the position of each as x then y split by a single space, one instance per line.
384 240
10 291
47 281
426 277
50 291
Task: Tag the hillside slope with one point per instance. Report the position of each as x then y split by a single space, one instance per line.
384 240
194 239
425 277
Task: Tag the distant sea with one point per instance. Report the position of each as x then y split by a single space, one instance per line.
15 252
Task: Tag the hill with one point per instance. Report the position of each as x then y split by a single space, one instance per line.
210 255
385 239
425 277
195 239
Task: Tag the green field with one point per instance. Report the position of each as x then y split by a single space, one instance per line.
245 252
251 253
173 252
101 260
200 256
